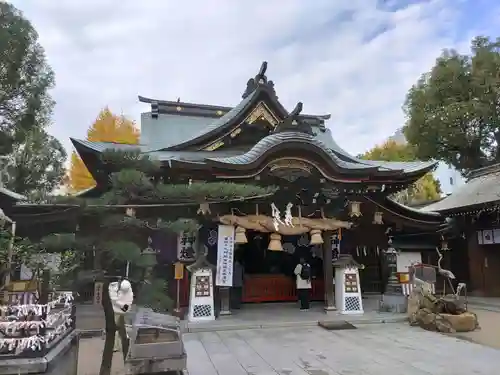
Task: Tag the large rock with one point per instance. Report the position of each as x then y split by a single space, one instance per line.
442 325
413 306
426 319
449 304
465 322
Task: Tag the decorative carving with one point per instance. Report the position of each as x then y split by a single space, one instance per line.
292 123
259 80
261 112
235 132
290 164
214 146
290 169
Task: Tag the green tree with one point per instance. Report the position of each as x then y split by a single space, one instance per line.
453 112
26 107
425 189
36 166
25 78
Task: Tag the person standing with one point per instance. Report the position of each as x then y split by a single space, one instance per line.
303 280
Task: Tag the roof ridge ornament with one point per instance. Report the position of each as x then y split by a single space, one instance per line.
259 80
292 123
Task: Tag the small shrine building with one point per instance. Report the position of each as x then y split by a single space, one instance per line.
259 141
474 208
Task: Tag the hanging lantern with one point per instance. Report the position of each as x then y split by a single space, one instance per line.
444 245
240 236
316 237
354 209
275 242
130 212
377 218
204 209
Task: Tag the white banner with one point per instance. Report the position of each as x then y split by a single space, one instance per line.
225 256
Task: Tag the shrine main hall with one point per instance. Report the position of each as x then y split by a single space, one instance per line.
341 205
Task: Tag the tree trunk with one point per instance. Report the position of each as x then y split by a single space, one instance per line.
109 317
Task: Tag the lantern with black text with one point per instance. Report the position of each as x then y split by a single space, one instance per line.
377 218
354 209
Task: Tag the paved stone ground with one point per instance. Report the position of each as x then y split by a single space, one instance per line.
371 350
489 334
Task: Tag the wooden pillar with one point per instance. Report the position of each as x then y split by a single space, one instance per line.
328 271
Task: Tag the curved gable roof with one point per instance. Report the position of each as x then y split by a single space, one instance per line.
278 139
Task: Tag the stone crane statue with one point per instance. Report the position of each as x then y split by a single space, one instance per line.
418 283
448 275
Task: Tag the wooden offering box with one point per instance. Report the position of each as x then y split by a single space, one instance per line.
157 338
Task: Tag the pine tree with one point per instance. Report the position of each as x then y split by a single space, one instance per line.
120 238
107 127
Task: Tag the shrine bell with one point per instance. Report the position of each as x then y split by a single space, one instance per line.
240 236
275 242
316 237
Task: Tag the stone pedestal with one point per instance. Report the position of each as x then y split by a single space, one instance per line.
61 359
347 286
201 298
393 300
225 309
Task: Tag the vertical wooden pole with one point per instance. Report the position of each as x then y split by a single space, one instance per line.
328 271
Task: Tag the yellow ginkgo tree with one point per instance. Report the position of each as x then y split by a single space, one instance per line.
426 188
107 127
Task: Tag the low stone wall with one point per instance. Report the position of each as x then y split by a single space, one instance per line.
62 359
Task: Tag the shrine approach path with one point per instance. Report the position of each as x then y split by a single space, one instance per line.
371 350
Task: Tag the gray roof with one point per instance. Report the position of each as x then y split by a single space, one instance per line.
157 155
274 140
169 130
158 134
322 140
482 188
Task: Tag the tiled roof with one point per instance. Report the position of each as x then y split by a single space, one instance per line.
349 163
338 155
482 188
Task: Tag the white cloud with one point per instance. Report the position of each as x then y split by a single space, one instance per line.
355 60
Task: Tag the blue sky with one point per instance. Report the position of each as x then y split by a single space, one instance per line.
354 59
